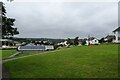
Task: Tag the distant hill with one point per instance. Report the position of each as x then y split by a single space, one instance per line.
38 39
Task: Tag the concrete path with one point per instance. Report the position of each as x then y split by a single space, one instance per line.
4 74
10 59
22 57
14 55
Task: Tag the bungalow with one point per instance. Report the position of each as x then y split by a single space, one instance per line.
92 41
63 43
117 35
7 43
49 47
32 47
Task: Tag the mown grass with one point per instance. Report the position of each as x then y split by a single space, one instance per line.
6 53
76 62
26 53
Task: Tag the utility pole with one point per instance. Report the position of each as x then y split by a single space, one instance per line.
88 40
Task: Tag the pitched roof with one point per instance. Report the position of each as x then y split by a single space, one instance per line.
32 48
30 44
118 29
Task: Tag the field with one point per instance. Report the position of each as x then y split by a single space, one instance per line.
76 62
6 53
28 53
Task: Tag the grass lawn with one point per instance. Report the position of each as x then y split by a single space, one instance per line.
76 62
28 53
6 53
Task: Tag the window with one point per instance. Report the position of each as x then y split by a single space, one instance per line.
118 38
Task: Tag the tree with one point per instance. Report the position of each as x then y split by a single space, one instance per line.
76 41
8 28
101 40
69 41
83 42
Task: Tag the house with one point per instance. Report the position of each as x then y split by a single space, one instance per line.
109 38
7 43
63 43
117 35
33 47
92 41
49 47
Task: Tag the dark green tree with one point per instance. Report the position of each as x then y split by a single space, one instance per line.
101 40
76 41
69 41
8 28
83 42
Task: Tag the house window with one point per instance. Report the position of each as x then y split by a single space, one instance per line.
118 38
95 40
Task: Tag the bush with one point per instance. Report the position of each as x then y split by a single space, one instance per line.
83 42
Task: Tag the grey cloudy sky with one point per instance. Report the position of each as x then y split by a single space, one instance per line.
64 19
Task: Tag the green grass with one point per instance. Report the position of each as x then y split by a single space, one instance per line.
28 53
76 62
6 53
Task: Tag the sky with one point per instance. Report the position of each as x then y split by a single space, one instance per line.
63 19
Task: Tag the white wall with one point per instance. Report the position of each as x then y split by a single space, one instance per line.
49 47
95 41
117 34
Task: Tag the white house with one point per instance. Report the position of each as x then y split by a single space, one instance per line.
92 41
7 43
49 47
63 43
117 35
32 47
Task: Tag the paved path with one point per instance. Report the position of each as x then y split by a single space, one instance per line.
23 57
14 54
26 56
10 59
4 73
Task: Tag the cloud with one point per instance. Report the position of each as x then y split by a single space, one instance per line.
64 19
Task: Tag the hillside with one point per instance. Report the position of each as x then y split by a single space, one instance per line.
75 62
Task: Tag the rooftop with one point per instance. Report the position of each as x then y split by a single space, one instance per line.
118 29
